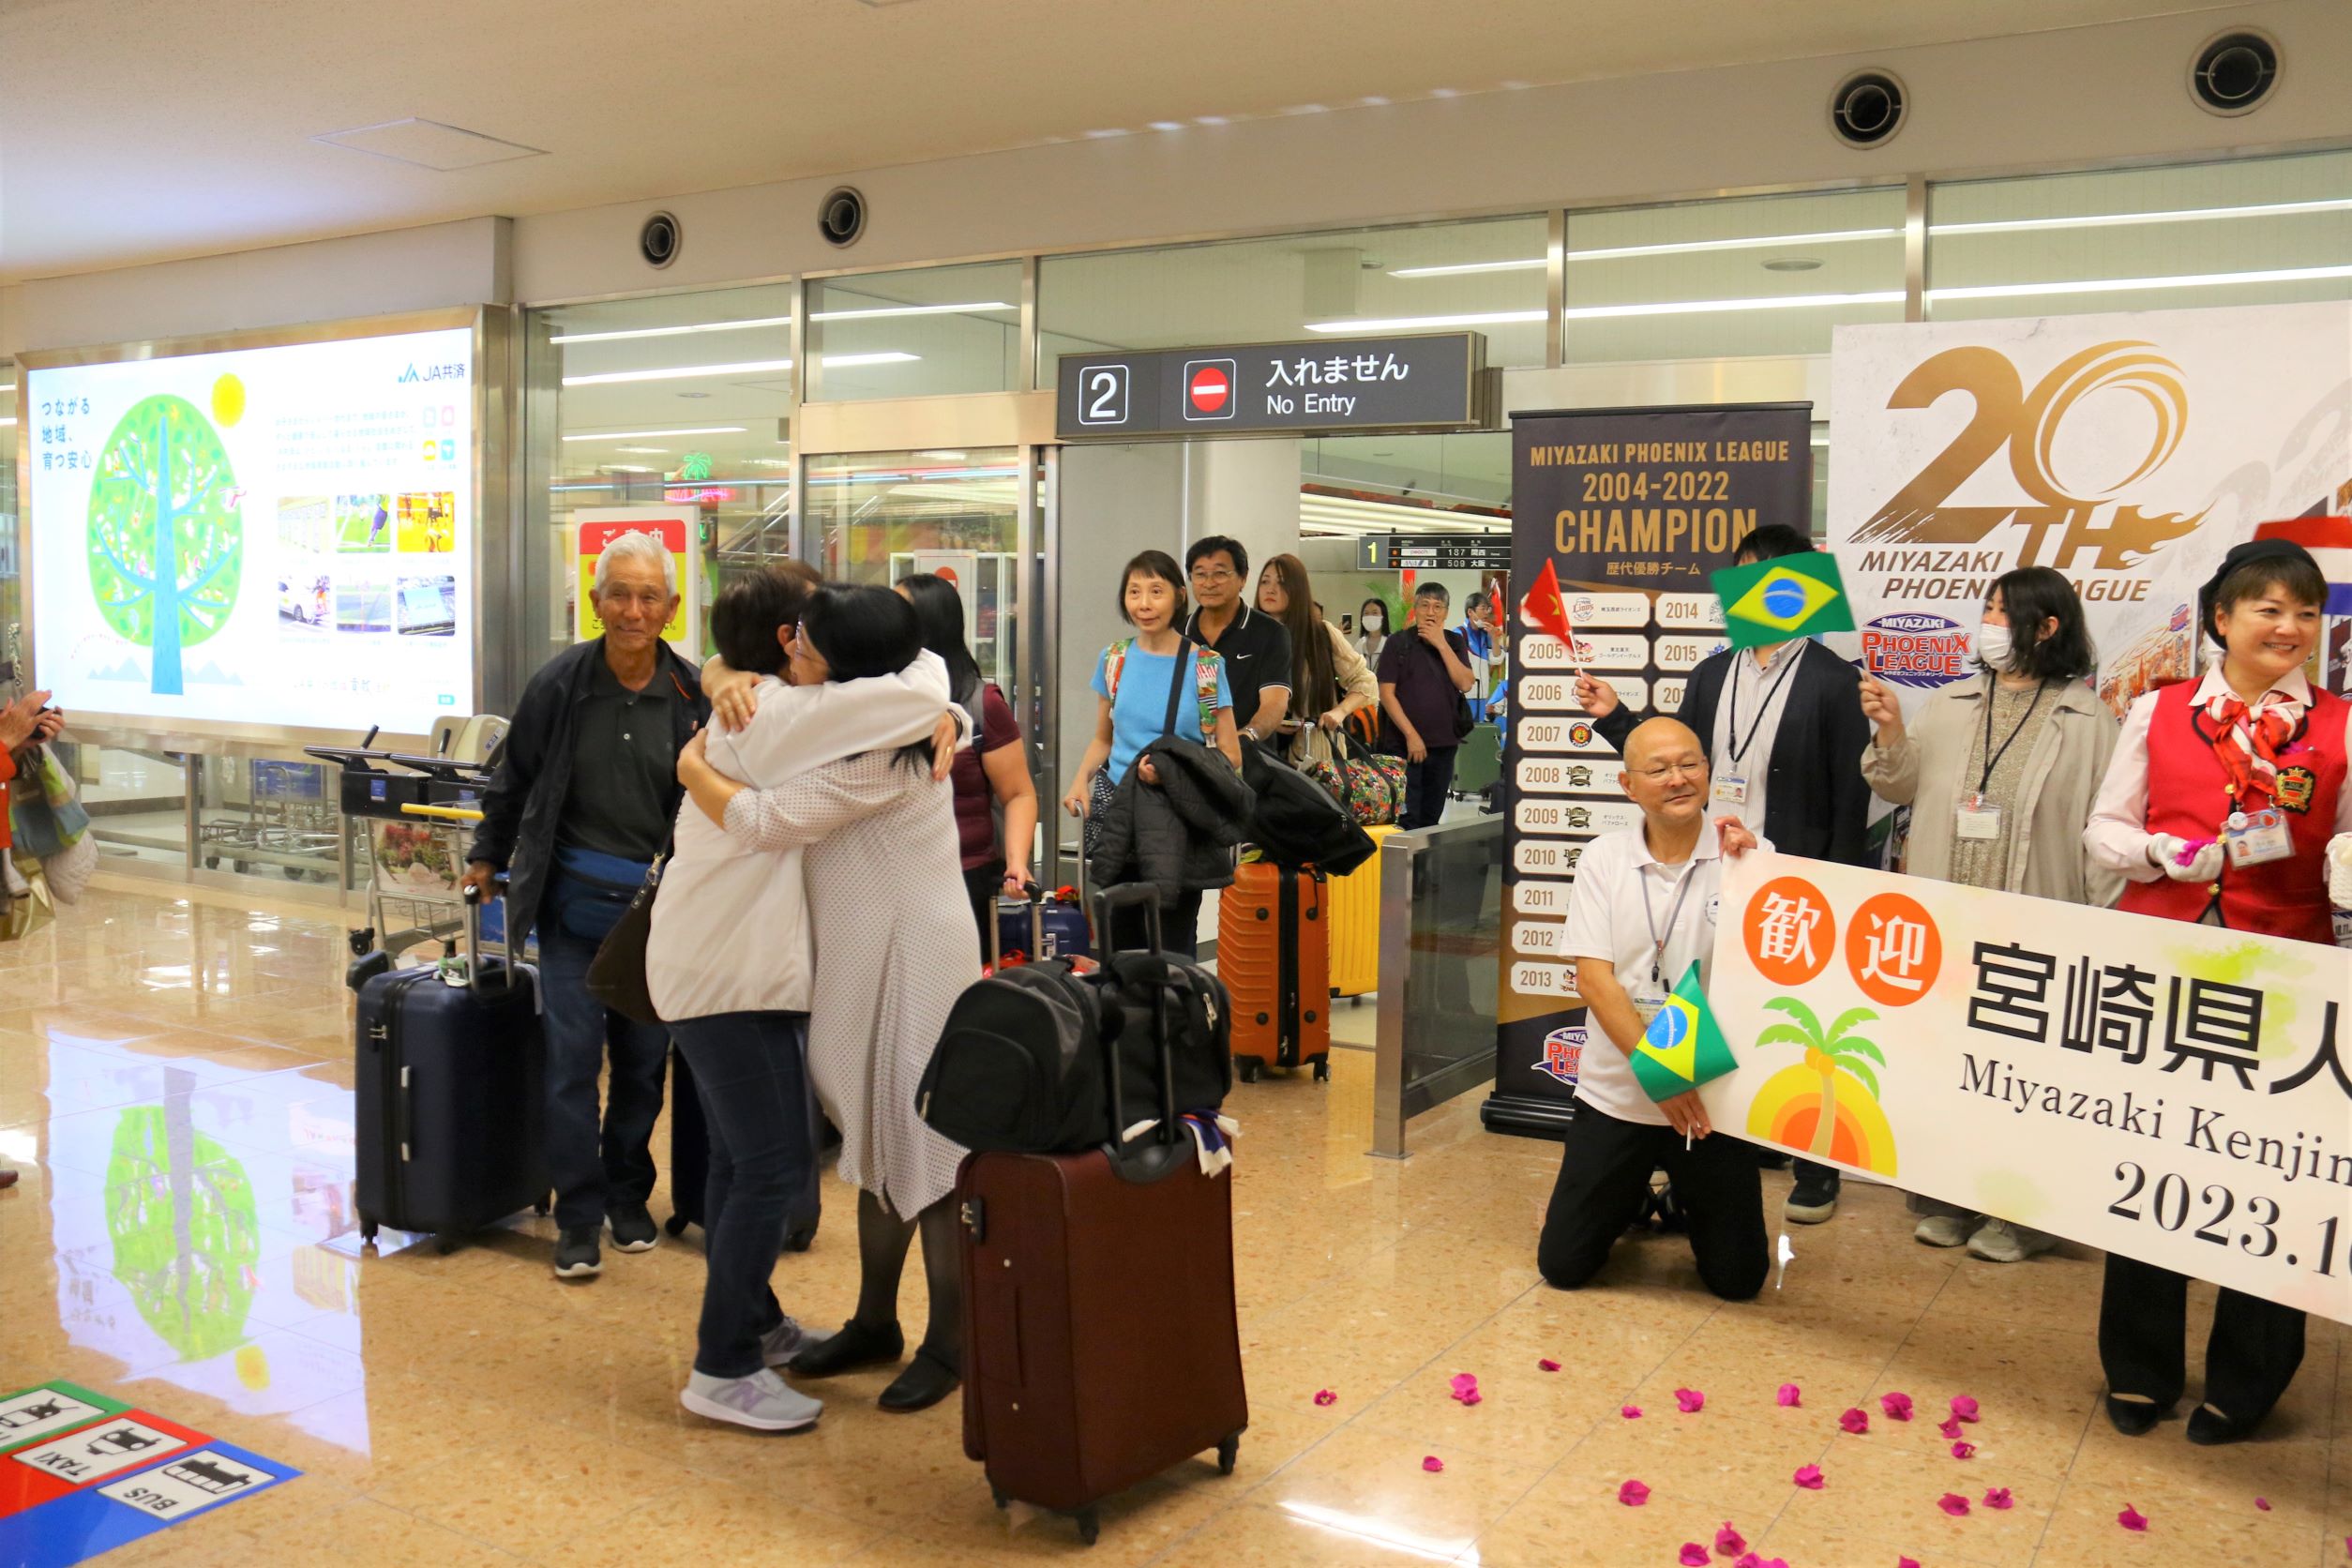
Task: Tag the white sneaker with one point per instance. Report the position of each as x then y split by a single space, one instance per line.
1944 1229
764 1402
1998 1241
783 1342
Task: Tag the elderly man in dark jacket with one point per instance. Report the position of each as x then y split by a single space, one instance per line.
582 802
1174 823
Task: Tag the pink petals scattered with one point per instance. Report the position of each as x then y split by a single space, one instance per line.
1630 1413
1854 1421
1432 1464
1728 1542
1466 1389
1962 1408
1547 1364
1897 1406
1689 1400
1809 1477
2131 1519
1325 1396
1949 1428
1997 1497
2263 1503
1963 1450
1907 1562
1954 1504
1633 1494
2190 849
1789 1398
1693 1555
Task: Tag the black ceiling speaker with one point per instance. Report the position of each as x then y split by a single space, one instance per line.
658 240
1867 108
841 216
2235 72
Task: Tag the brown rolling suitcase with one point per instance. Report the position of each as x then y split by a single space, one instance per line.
1273 954
1100 1343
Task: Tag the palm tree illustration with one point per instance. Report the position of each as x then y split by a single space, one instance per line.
1830 1056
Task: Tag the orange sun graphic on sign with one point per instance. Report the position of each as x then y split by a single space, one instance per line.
1892 949
1790 931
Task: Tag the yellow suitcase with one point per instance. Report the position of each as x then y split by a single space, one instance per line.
1351 909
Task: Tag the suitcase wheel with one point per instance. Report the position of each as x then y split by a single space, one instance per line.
676 1223
545 1204
800 1239
1322 1069
1248 1068
1089 1525
996 1494
1230 1450
367 1232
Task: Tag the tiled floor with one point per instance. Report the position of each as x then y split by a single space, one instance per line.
175 1078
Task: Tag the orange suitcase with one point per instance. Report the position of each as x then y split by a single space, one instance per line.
1273 954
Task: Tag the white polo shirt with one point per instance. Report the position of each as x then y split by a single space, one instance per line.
1606 920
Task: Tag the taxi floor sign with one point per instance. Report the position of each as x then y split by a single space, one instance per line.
81 1475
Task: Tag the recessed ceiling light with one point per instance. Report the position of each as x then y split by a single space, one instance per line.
671 331
944 456
628 468
1412 323
907 310
1793 264
681 372
847 361
695 395
645 451
638 435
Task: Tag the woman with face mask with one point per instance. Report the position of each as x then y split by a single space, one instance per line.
1372 630
1999 773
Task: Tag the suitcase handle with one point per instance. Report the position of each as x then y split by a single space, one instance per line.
470 946
1111 899
1162 989
1036 927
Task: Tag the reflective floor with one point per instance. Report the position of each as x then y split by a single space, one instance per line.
175 1082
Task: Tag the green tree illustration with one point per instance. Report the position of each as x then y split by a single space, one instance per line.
181 1213
166 536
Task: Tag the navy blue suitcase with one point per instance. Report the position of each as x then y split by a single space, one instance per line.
1041 928
451 1098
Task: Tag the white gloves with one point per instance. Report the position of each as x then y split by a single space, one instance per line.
2340 870
2202 867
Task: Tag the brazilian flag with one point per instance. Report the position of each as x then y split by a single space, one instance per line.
1683 1048
1775 602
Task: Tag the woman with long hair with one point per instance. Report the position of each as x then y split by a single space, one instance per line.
1372 630
892 950
992 775
1998 774
1329 679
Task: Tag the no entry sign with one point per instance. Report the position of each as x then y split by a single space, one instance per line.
1437 382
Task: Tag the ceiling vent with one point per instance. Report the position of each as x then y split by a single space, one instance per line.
658 239
841 216
2235 73
1867 108
428 145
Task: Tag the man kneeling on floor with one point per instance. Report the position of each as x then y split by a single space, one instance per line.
1643 908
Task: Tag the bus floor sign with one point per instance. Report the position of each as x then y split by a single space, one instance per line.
80 1474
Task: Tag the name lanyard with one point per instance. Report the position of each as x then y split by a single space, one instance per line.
1657 943
1993 758
1738 746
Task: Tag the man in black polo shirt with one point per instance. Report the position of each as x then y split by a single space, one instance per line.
1423 674
1255 648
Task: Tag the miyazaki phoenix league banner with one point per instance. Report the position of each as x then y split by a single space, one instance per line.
2175 1092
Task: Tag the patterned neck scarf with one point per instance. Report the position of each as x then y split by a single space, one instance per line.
2247 741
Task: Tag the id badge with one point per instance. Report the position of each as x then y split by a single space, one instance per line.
1649 1001
1979 817
2256 838
1731 789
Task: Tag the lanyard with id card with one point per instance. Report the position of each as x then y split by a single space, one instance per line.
1650 995
2256 838
1978 816
1730 787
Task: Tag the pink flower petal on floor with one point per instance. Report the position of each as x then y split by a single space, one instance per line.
1997 1497
1630 1413
1548 1365
1952 1503
1751 1561
1464 1388
2131 1519
1432 1464
1963 1450
1962 1408
1689 1400
2263 1503
1789 1396
1907 1562
1633 1494
1809 1477
1854 1421
1897 1406
1325 1396
1949 1428
1729 1541
1693 1556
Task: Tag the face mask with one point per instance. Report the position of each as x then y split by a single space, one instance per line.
1372 623
1993 645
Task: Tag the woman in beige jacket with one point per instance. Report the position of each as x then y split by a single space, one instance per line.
2001 774
1329 679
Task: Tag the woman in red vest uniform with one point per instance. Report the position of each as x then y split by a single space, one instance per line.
2219 807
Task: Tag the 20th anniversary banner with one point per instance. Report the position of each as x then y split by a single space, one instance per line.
2177 1094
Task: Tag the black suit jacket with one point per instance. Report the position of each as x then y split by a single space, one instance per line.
1815 801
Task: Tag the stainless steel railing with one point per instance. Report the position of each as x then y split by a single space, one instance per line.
1441 958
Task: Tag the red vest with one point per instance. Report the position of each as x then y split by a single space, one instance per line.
2187 796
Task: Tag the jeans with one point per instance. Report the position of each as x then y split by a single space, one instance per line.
1425 784
591 1165
750 1070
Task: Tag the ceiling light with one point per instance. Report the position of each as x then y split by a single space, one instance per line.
1700 307
845 361
628 468
1167 125
1793 264
907 310
1745 242
2116 219
1209 120
1460 268
681 372
944 456
2104 285
669 331
646 451
1410 323
638 435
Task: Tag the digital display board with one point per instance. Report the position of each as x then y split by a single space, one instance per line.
269 537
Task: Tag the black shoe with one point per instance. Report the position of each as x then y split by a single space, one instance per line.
576 1253
2210 1428
855 1346
927 1381
633 1229
2135 1418
1814 1198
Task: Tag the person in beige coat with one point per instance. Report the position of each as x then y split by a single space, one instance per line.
1329 678
2001 774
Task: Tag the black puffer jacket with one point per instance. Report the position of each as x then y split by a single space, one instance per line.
1180 835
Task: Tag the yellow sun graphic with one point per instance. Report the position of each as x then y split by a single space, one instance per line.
228 401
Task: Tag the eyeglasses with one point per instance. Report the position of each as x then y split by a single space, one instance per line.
1672 770
1214 574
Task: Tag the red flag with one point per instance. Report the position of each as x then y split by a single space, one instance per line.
1546 610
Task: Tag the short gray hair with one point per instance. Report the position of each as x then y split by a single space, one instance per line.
636 547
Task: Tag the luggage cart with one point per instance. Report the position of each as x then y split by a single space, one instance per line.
287 824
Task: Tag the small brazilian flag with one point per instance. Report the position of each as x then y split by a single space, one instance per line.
1683 1048
1774 601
